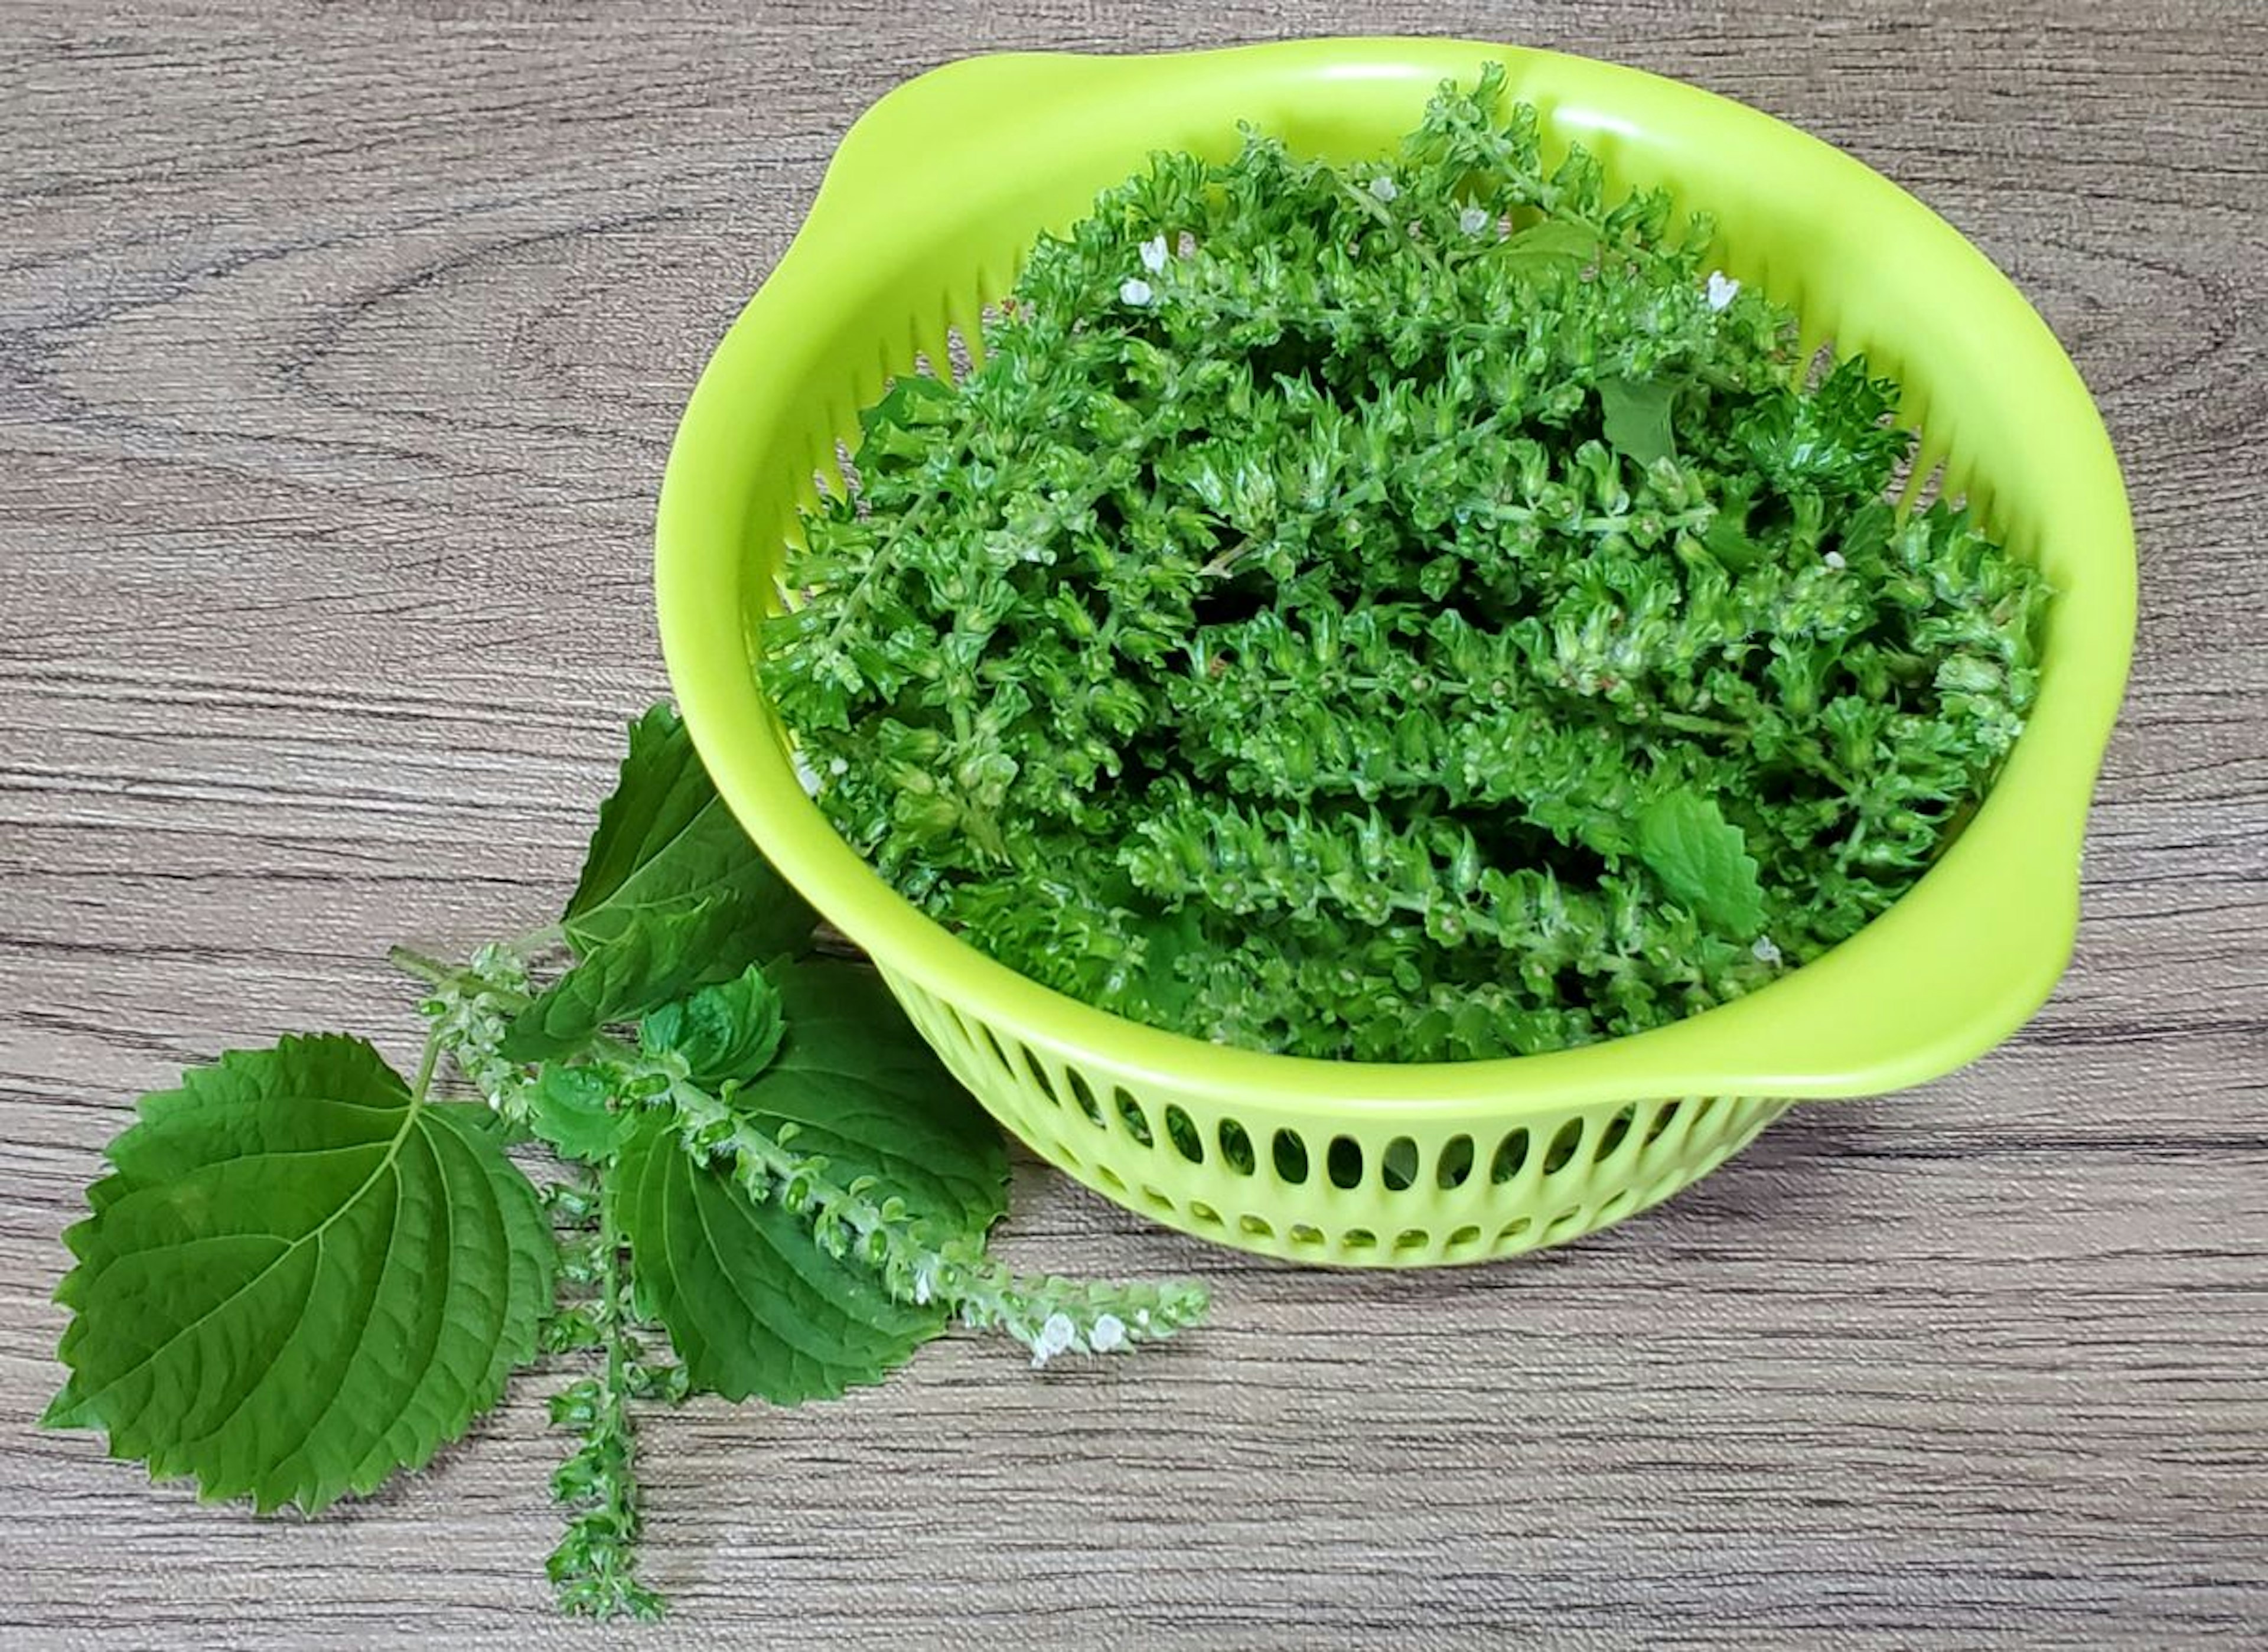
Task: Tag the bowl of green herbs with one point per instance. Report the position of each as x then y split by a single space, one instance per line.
1393 646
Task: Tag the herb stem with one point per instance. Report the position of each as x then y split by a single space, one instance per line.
427 1062
594 1565
423 966
1049 1315
469 1012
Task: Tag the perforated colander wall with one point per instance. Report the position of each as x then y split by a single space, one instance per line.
1401 1197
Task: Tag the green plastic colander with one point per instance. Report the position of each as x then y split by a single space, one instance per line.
925 213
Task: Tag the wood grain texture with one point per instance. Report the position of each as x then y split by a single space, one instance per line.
340 347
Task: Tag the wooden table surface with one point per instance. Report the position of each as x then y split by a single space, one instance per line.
340 348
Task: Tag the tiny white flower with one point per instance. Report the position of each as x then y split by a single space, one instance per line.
1766 951
1055 1336
838 765
1722 289
1154 253
1834 559
1109 1332
808 775
1384 187
1472 220
926 1284
1136 291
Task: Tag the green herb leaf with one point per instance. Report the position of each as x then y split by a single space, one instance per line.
891 427
572 1108
727 1032
753 1305
1727 535
1638 418
1730 544
673 896
1551 244
1702 859
628 961
863 1090
301 1278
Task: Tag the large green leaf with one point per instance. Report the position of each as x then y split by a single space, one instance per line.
752 1303
864 1091
300 1279
673 896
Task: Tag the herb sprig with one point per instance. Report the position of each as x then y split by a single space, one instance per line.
1409 610
305 1274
